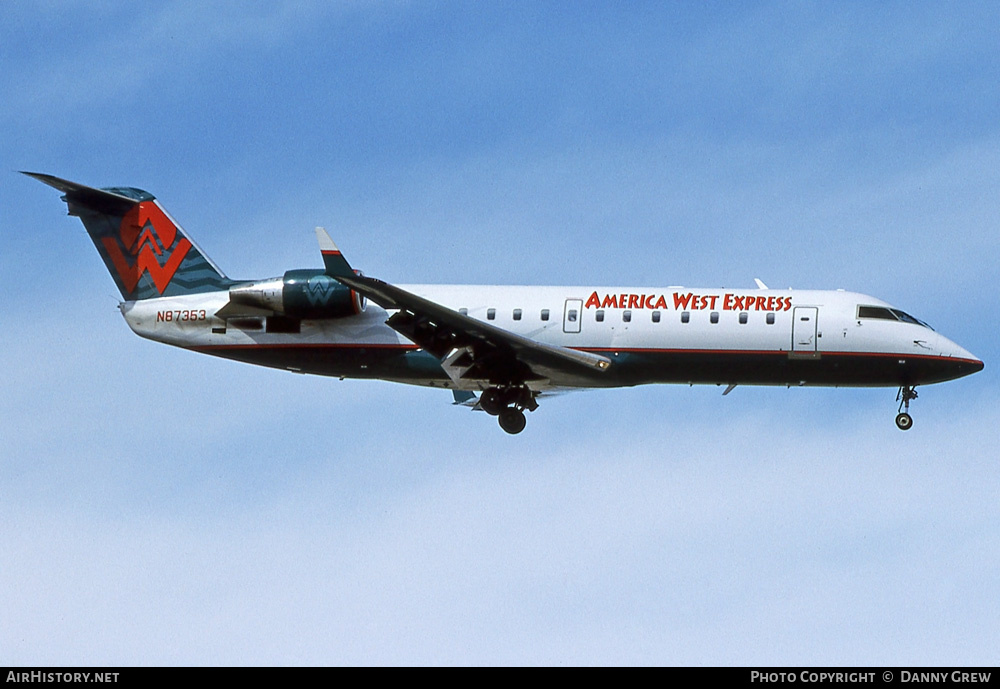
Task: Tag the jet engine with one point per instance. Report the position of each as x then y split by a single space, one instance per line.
299 294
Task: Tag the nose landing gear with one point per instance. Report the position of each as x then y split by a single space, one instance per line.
904 421
508 403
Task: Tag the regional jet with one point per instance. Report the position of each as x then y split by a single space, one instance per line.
500 348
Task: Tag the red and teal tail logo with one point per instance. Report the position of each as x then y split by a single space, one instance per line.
144 249
148 244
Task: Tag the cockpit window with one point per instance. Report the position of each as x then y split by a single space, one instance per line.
887 314
875 312
907 318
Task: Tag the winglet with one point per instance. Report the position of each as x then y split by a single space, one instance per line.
466 399
760 283
336 264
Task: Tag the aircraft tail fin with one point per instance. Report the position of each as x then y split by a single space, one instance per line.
144 249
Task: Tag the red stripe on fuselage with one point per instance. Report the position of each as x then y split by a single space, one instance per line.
779 352
596 350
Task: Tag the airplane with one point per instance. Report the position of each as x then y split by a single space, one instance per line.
500 348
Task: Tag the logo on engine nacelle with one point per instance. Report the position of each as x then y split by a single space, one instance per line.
319 288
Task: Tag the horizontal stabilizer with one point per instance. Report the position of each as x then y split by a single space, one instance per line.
100 200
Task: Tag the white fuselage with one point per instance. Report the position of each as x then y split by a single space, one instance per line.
717 335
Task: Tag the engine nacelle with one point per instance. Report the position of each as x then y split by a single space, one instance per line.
301 294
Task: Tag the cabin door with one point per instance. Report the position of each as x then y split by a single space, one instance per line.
572 315
804 328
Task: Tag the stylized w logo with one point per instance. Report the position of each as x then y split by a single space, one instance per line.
145 233
319 288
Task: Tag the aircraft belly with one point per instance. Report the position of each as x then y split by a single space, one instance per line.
848 369
395 363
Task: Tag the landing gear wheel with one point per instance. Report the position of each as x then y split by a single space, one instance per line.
512 420
490 402
903 420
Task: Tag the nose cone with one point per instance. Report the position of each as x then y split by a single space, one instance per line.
960 362
964 367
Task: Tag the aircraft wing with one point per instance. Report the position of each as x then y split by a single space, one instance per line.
471 350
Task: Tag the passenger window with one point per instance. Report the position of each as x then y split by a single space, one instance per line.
599 315
770 319
714 317
743 317
571 316
517 314
656 316
545 314
626 316
685 316
491 314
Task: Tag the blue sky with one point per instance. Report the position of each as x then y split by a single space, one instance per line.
161 507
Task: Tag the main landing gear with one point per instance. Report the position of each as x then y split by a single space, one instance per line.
904 421
508 404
